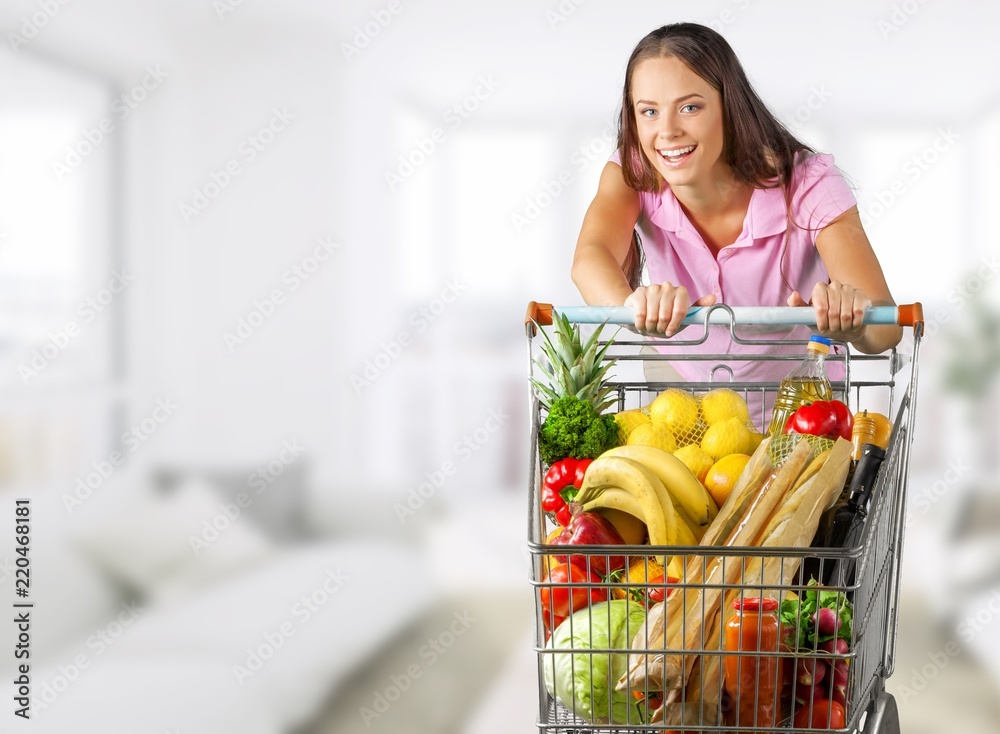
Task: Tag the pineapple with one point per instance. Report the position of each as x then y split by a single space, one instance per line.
573 368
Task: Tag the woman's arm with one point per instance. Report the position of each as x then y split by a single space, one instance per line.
601 250
856 282
605 239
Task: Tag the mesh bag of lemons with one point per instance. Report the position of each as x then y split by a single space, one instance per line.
710 432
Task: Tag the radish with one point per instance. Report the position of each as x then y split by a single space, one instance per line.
837 646
827 622
810 672
840 674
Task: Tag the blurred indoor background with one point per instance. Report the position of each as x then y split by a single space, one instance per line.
263 270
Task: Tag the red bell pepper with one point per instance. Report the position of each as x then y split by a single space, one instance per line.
560 486
828 418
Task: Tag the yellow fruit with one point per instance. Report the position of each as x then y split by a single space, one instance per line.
883 428
722 476
653 434
640 571
549 562
753 443
722 404
628 421
643 570
630 527
730 436
696 460
676 409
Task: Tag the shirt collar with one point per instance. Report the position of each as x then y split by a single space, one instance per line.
766 213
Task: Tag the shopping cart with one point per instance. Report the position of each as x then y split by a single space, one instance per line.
873 586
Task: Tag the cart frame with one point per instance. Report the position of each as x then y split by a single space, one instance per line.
875 589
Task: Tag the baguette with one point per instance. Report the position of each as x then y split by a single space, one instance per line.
702 703
647 670
794 525
695 607
753 477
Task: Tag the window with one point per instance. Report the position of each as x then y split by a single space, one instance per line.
57 323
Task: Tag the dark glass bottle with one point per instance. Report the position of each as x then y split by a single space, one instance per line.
842 525
826 521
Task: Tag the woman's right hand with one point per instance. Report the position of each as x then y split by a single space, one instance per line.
659 309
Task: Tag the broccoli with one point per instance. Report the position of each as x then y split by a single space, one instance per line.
573 428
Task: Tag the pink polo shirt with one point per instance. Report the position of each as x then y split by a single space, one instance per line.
746 272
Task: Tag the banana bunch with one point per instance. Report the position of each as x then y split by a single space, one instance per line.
654 486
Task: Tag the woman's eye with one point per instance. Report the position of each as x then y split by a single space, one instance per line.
691 107
648 112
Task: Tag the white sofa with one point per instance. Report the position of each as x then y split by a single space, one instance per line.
103 664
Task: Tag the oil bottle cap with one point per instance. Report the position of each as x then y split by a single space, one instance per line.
819 343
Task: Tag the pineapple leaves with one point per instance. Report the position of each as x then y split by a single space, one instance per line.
572 368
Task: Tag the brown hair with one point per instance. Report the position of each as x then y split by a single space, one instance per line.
635 260
758 149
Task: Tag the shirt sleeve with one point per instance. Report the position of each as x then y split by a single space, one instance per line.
819 193
616 157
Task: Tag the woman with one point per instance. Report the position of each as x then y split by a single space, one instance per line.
731 209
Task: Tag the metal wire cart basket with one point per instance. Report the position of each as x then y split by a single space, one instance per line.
723 632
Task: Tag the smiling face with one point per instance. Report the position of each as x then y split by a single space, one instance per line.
679 122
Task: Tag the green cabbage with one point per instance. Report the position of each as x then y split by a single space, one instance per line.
582 680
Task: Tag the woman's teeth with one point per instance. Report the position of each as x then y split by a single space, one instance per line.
676 155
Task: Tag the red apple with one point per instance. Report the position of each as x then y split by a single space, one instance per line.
590 528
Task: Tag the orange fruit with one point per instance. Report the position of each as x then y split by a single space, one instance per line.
721 478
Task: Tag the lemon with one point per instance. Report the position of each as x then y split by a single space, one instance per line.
678 410
653 434
695 459
721 478
753 442
730 436
722 404
628 421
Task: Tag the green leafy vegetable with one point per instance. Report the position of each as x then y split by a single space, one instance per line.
584 681
574 429
797 616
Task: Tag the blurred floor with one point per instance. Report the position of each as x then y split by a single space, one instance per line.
962 698
449 690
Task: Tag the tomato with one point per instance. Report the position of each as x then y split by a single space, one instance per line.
564 600
658 594
845 421
825 715
551 623
829 418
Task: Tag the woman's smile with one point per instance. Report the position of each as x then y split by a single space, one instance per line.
676 157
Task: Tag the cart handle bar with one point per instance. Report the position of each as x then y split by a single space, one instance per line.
541 314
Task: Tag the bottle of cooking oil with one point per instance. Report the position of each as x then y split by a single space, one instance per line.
806 383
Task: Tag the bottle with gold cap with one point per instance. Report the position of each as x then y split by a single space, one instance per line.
863 432
805 384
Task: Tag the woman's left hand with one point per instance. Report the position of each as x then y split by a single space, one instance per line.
840 309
